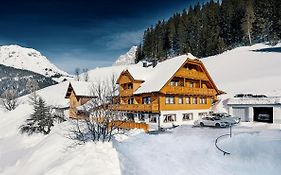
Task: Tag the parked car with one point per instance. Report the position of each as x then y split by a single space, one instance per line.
211 121
264 117
227 118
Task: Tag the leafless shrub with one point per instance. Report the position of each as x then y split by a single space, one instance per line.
9 99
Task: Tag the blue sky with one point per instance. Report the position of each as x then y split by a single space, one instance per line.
83 33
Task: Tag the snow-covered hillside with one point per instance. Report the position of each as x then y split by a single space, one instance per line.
28 59
128 58
251 69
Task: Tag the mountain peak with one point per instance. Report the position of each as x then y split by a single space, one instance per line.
127 58
28 59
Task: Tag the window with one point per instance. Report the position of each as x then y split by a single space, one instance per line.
169 118
174 83
191 84
141 117
152 119
187 100
170 100
130 86
203 100
187 116
146 100
194 100
131 101
180 100
203 114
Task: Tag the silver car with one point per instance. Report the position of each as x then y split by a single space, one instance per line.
211 121
227 118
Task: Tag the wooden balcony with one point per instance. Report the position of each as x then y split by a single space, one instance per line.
184 73
136 107
189 91
126 92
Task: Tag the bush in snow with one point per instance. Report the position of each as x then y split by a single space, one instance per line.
40 121
9 99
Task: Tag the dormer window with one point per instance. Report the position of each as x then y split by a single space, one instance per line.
146 100
130 86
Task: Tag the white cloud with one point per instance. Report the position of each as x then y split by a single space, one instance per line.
124 40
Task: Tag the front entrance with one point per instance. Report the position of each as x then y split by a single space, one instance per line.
242 113
263 114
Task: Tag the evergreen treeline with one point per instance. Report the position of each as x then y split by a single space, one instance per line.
212 28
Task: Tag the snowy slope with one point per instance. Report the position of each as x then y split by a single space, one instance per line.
128 58
28 59
53 154
251 69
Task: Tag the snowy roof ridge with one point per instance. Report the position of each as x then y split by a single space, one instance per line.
82 88
249 100
162 72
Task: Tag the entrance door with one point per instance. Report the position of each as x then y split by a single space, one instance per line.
242 113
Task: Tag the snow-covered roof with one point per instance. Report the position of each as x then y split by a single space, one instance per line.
155 78
254 101
82 88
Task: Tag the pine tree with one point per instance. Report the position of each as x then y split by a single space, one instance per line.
248 19
263 25
40 121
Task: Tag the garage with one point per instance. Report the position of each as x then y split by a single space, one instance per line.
255 108
263 114
242 113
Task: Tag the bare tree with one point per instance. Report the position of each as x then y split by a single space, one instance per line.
99 126
32 87
86 74
77 73
9 99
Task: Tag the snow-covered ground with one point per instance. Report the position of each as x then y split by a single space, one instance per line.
185 150
250 69
53 154
188 150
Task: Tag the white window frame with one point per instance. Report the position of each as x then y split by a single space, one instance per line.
194 99
169 118
170 100
187 100
180 100
187 115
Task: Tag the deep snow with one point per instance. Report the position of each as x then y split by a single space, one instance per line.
188 150
185 150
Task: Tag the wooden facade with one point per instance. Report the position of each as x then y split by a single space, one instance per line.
190 88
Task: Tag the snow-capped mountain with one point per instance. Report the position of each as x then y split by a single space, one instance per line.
28 59
128 58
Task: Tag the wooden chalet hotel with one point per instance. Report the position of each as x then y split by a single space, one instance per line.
172 92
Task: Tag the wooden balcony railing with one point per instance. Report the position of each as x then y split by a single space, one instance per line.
135 107
126 92
191 74
189 91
